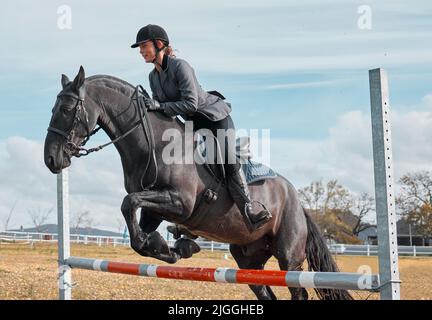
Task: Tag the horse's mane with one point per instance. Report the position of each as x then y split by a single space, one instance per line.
120 86
113 83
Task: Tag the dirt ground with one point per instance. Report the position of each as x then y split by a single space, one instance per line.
30 272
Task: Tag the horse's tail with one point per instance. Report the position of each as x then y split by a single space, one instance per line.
320 260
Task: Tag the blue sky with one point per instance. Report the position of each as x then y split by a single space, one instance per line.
299 68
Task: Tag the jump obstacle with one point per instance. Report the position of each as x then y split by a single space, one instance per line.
387 282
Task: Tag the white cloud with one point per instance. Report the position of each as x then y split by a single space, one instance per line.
310 84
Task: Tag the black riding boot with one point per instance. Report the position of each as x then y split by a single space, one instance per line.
239 191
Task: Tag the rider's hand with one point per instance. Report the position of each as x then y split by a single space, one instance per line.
152 104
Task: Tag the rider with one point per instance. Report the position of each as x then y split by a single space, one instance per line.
176 91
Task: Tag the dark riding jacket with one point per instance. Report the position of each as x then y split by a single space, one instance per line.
179 93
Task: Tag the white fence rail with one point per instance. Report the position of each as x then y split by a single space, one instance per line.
343 249
31 237
372 250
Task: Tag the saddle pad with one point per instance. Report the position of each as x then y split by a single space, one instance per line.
255 171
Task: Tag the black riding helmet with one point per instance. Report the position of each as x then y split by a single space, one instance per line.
151 32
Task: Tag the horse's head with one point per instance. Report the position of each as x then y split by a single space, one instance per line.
71 123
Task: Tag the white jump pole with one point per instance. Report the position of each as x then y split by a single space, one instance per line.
64 276
384 185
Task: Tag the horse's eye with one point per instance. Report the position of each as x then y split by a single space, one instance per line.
66 108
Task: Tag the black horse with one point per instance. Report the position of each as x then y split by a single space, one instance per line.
175 192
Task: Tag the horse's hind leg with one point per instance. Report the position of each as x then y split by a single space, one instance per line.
290 245
287 265
255 261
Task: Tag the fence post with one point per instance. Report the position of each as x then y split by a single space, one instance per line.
368 250
414 251
384 185
64 275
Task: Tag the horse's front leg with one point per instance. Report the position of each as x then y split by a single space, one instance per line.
138 237
166 203
148 221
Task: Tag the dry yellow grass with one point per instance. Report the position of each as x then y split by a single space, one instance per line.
31 273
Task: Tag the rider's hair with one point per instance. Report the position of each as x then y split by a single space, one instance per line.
169 51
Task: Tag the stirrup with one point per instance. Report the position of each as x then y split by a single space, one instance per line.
264 216
260 223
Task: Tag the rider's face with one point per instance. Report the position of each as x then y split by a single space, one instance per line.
148 51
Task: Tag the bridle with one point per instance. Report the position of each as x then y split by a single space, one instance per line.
78 150
71 148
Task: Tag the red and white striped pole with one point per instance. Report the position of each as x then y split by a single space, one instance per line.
330 280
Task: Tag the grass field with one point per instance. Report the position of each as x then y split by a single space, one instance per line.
31 273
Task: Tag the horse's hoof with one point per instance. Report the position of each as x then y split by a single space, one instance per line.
186 247
174 230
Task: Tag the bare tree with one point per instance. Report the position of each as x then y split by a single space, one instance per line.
39 217
318 197
338 197
81 219
9 217
120 222
363 204
312 195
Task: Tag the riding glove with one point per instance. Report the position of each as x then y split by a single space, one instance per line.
152 104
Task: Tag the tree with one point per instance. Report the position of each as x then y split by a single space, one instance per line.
415 201
333 227
312 195
332 196
421 219
39 217
81 219
9 217
120 222
362 206
336 210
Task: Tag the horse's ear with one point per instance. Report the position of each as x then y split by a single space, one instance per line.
64 80
79 80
